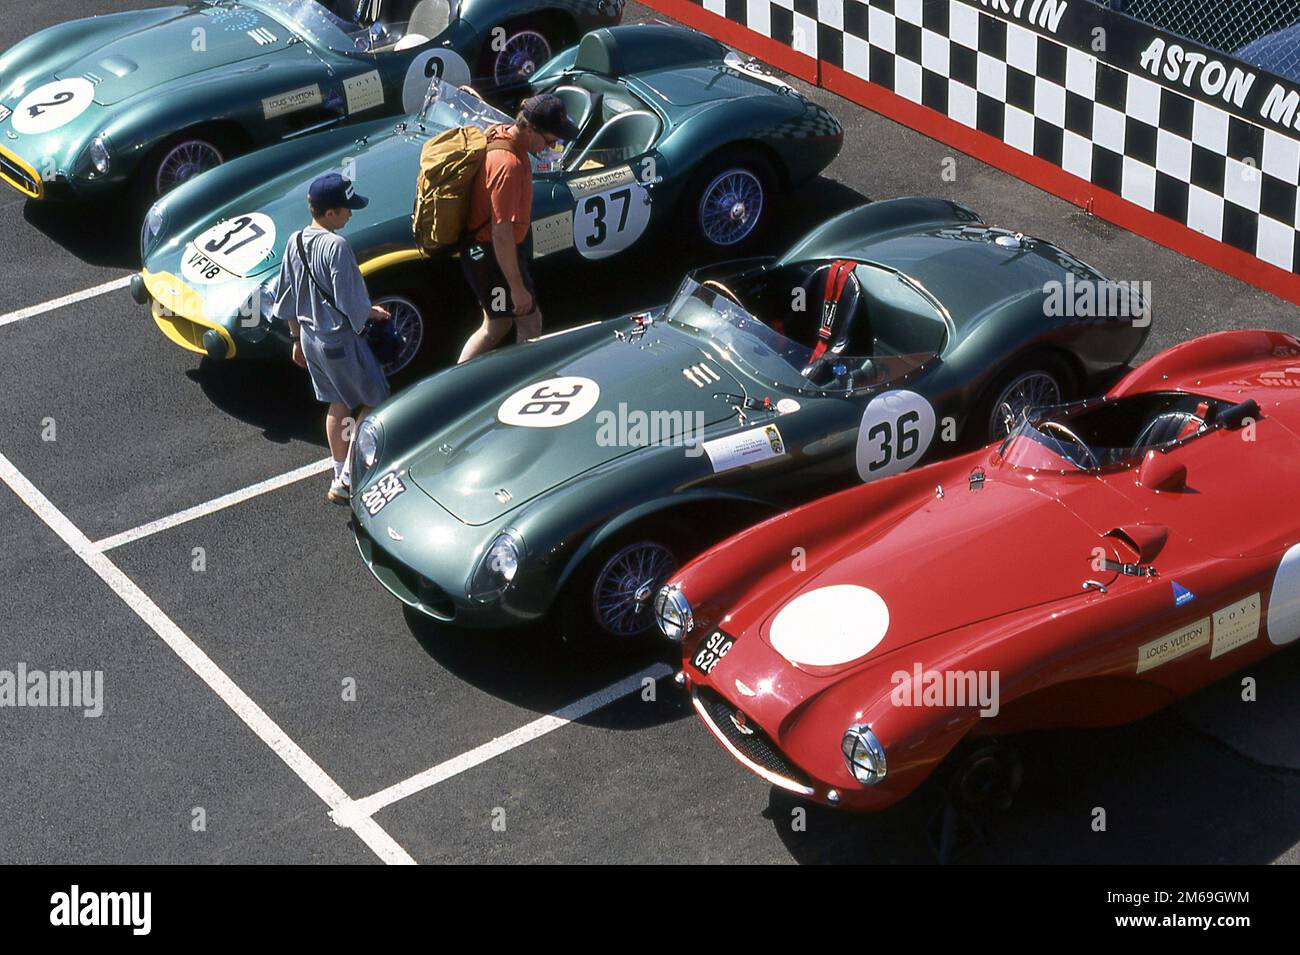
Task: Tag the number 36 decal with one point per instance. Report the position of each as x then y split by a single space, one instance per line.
550 403
896 431
610 221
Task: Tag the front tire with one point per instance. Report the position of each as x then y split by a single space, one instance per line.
177 161
608 605
410 319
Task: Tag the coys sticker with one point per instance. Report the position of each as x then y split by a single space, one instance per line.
553 234
364 92
53 105
1235 625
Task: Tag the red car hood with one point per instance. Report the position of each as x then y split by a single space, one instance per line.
951 562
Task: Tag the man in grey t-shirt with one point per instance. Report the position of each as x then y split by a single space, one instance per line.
324 299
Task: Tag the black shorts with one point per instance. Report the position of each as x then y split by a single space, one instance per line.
482 271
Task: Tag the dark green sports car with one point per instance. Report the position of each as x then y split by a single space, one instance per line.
674 132
151 98
576 472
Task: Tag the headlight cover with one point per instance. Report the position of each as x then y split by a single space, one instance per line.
370 434
863 754
153 225
497 568
100 160
673 612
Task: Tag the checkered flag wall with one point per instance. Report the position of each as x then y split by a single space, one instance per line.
1189 160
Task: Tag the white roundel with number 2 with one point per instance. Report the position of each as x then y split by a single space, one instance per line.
608 222
439 63
53 105
234 247
550 403
897 428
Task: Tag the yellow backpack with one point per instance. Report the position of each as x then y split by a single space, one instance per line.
448 164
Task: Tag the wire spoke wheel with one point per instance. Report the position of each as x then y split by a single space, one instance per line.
183 162
1031 390
731 206
624 589
408 323
520 56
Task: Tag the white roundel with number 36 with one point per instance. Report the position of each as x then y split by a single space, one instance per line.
550 403
897 428
608 222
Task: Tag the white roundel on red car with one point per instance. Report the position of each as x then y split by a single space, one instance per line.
897 428
233 248
1284 601
53 105
830 625
550 403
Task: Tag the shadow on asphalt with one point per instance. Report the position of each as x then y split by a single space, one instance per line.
99 233
532 669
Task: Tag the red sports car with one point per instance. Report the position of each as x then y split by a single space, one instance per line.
1107 558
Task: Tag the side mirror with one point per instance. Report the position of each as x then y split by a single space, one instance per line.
1159 472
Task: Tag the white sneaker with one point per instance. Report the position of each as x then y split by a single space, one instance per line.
339 492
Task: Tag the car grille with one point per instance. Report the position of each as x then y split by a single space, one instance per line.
756 747
407 585
18 175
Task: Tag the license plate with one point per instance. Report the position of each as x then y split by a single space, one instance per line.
711 652
383 491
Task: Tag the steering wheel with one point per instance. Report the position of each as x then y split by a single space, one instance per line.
1075 440
719 287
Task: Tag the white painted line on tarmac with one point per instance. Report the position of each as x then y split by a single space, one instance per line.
367 807
267 730
211 507
75 297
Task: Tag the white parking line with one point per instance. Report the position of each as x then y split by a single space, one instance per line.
267 730
217 504
365 808
50 306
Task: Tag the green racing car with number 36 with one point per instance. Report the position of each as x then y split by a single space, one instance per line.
573 474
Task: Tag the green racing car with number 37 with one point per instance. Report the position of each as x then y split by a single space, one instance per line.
675 133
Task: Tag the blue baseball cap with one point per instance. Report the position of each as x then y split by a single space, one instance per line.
332 191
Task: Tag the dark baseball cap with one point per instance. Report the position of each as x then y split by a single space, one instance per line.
332 191
547 113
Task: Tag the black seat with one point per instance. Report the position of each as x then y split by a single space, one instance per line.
1166 428
835 290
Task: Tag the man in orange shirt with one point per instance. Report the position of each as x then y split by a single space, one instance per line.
494 254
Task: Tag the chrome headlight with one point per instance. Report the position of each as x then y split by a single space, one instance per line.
497 568
99 158
863 754
369 435
152 228
673 612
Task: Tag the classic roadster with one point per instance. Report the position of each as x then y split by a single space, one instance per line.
577 471
673 130
150 98
1101 561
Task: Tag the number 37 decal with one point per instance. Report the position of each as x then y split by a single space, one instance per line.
610 221
896 431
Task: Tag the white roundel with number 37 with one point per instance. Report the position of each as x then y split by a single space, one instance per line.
897 428
608 222
550 403
234 247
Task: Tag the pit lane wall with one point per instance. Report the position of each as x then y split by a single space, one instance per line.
1172 140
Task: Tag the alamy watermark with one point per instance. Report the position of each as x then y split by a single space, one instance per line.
1098 298
75 689
946 688
634 428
